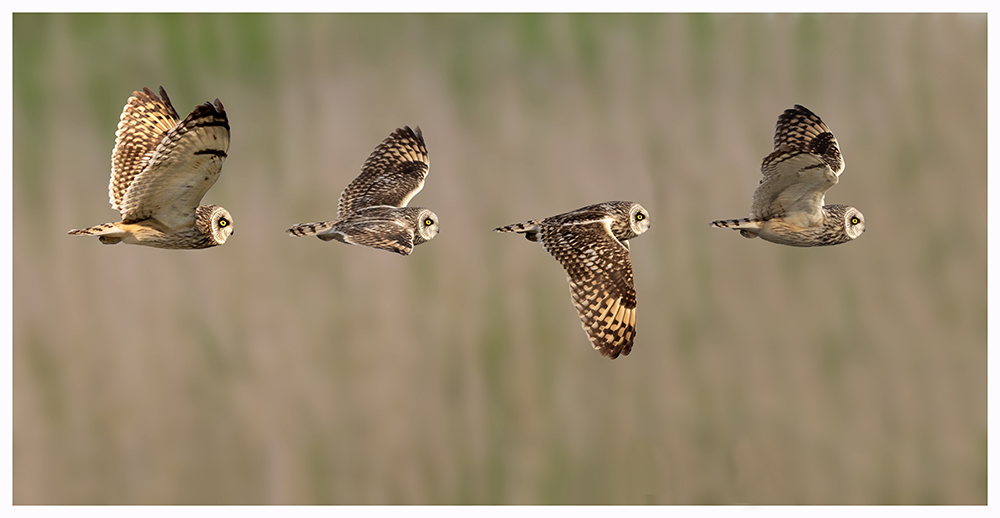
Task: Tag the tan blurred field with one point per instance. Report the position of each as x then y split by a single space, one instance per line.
273 370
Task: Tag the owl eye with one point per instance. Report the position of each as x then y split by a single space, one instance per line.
428 222
223 222
639 217
855 220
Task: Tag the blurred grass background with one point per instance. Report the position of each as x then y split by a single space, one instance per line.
273 370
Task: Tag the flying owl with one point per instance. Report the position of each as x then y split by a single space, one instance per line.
161 167
787 206
591 243
372 210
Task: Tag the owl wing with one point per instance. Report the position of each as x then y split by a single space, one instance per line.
806 162
181 169
599 272
391 235
145 119
392 175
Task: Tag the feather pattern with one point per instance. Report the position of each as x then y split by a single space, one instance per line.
591 244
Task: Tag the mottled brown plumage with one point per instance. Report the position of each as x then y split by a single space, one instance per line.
788 204
372 209
591 243
392 175
161 168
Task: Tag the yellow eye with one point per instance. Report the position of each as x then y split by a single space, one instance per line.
223 222
855 220
639 217
428 222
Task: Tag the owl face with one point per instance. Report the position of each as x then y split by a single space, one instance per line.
854 222
215 222
427 226
638 219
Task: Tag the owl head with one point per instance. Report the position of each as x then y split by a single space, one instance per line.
630 218
854 222
214 222
842 223
638 219
427 226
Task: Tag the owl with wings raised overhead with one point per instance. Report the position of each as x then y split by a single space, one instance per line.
161 167
788 206
372 210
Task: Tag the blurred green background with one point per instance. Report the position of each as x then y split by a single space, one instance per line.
273 370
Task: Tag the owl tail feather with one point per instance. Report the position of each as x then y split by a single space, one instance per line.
748 228
311 229
108 233
528 228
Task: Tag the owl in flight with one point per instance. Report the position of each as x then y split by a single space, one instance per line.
372 209
787 206
591 243
161 167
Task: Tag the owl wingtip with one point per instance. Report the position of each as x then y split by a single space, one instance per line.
609 355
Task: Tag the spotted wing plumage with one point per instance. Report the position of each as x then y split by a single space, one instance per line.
392 174
145 119
391 235
182 167
599 271
806 162
800 129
